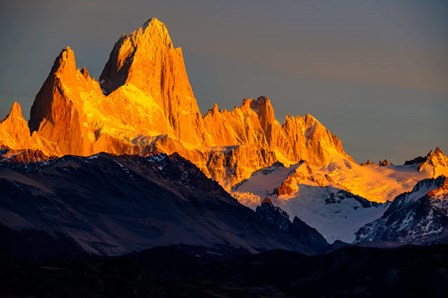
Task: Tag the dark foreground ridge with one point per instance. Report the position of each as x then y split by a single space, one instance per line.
169 272
114 205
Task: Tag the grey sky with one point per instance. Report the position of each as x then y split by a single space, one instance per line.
374 72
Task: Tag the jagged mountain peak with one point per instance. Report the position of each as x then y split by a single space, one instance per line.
147 60
416 217
435 163
138 55
65 62
15 124
263 107
63 73
14 131
15 112
267 201
57 113
438 151
154 26
147 104
152 21
310 118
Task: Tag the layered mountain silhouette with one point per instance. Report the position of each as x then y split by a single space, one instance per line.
114 205
143 104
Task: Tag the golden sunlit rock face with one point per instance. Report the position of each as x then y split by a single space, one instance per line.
144 102
148 61
14 131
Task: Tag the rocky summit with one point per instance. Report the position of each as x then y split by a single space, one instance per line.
144 102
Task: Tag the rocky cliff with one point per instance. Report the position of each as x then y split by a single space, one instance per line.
144 102
416 217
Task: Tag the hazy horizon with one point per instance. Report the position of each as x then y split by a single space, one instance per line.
375 74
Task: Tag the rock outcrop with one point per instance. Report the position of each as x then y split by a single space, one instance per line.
57 112
277 217
435 163
148 60
273 215
14 131
15 134
416 217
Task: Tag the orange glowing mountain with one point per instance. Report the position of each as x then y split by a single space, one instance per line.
143 102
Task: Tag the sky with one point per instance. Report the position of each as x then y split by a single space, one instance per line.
375 73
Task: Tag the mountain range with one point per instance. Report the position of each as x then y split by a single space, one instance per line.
128 162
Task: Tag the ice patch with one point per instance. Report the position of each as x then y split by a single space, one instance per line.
157 158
